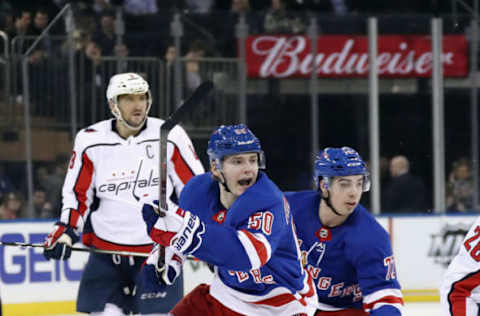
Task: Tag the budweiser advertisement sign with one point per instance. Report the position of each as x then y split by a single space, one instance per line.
347 56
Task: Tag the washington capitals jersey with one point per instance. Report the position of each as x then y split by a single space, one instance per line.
352 264
108 174
460 290
254 248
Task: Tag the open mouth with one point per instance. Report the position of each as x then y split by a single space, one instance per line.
245 182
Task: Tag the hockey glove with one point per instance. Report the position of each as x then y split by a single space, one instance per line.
162 224
59 242
158 273
189 237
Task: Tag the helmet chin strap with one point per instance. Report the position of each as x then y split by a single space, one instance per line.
116 112
224 183
329 204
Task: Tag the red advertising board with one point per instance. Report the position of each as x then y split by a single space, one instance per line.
347 56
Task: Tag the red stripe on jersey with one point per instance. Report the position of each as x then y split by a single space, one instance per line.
260 248
389 299
181 167
162 237
73 219
278 300
83 183
286 298
457 298
92 240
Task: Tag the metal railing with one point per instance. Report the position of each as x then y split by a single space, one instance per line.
6 116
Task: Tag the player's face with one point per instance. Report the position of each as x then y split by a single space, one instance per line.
240 172
133 108
345 193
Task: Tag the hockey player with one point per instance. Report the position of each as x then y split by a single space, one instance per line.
460 290
237 219
114 163
346 251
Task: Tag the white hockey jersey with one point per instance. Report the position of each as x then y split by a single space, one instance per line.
460 290
107 175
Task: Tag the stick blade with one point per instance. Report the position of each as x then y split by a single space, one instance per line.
186 107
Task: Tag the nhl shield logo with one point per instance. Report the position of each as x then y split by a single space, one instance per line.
446 243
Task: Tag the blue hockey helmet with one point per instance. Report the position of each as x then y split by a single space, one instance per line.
340 162
232 140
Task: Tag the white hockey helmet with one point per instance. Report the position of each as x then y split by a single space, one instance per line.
127 83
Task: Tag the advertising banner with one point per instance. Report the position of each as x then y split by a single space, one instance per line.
399 56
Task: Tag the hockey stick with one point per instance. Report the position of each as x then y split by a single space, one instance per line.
111 252
94 250
198 95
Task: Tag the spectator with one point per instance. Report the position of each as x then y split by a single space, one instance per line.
100 6
140 7
199 6
6 184
6 16
192 65
405 192
40 23
460 187
21 23
228 41
279 21
54 182
105 37
11 206
42 208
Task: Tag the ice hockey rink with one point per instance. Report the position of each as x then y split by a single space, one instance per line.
411 309
422 309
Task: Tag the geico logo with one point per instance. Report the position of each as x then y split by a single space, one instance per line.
19 265
128 185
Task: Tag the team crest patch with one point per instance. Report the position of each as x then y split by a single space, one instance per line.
220 216
324 234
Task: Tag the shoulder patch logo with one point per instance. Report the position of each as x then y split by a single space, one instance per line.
89 130
219 217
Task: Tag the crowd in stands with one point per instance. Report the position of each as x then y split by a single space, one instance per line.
48 183
144 30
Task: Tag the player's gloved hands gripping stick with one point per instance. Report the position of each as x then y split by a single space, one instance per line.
59 242
177 228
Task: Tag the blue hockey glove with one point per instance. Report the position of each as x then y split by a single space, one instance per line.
59 242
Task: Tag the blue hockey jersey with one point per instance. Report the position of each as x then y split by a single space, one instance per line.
254 248
352 264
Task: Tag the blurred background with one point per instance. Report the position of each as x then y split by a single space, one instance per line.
414 120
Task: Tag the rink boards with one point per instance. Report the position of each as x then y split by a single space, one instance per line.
30 285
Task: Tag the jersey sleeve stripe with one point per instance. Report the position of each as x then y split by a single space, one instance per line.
258 249
460 291
182 169
74 217
83 183
380 298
